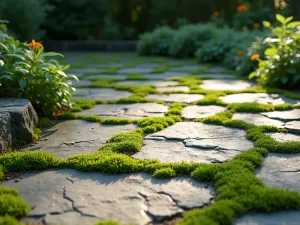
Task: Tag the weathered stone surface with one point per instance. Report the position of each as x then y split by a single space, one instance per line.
100 93
235 85
195 111
293 127
281 171
194 142
218 76
257 119
71 197
131 111
156 83
141 70
71 137
173 89
282 137
284 116
277 218
166 75
186 98
5 132
106 76
262 98
23 119
81 83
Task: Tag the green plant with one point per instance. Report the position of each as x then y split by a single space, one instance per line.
164 173
282 64
29 74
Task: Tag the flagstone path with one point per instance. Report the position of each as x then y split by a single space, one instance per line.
70 197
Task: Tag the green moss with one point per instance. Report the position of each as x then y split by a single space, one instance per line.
8 191
36 134
13 206
78 66
81 104
136 76
110 70
175 109
110 222
251 107
164 173
160 69
44 122
8 220
154 124
116 121
283 107
158 60
211 100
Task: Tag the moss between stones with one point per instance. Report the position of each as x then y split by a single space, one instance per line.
110 70
136 76
164 173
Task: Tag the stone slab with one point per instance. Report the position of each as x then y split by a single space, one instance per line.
217 76
106 76
187 68
282 137
194 142
71 137
173 89
262 98
71 197
277 218
293 127
234 85
185 98
5 132
100 94
257 119
81 83
156 83
166 75
141 70
284 116
130 111
281 171
195 111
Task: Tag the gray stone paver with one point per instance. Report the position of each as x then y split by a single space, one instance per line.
106 76
194 142
130 111
282 137
100 94
284 116
166 75
156 83
72 137
293 127
173 89
136 198
81 83
257 119
185 98
217 76
140 70
234 85
195 111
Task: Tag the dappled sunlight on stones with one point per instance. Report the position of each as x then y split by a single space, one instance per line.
100 93
195 111
234 85
185 98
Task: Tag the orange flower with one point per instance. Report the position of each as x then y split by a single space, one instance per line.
242 9
217 14
255 56
256 25
34 44
240 52
245 29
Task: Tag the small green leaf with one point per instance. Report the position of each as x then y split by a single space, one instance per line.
280 19
289 19
52 54
22 83
16 56
61 73
293 24
267 24
271 51
252 75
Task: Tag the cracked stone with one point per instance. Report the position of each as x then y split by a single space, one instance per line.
100 93
257 119
276 218
281 171
130 111
185 98
173 89
195 111
156 83
293 127
284 116
194 142
137 199
262 98
63 139
235 85
282 137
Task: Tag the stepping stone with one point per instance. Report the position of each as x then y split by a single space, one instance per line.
194 142
147 65
106 76
80 72
166 75
130 111
262 98
281 171
70 197
195 111
100 93
293 127
234 85
72 137
173 89
284 116
81 83
218 76
276 218
188 68
185 98
217 69
257 119
156 83
282 137
140 70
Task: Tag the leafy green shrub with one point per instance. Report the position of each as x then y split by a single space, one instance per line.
282 64
25 17
189 37
13 206
157 42
164 173
8 220
27 73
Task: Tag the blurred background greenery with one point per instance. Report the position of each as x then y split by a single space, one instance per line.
124 19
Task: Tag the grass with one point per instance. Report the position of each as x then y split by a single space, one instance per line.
136 76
